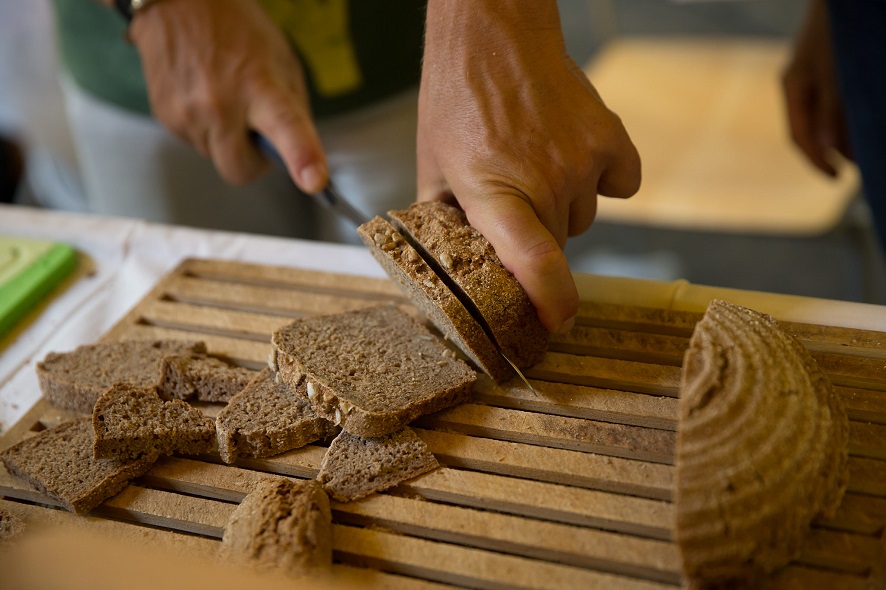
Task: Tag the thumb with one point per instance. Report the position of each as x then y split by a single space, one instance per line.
529 251
431 183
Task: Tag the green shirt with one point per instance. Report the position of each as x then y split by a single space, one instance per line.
372 52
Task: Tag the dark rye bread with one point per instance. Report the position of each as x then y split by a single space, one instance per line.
435 300
282 525
354 467
75 379
207 378
762 449
371 370
266 419
442 235
60 463
129 422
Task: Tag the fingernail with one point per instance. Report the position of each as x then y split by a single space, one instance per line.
313 178
566 326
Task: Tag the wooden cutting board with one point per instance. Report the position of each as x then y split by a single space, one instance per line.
570 489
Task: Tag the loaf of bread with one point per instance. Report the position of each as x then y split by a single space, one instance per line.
372 370
435 300
354 467
457 251
206 378
75 379
266 419
130 422
284 525
60 462
761 448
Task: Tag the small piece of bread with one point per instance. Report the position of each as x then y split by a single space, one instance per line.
75 379
10 525
371 370
129 422
266 419
354 467
761 448
207 378
436 301
60 463
285 525
442 235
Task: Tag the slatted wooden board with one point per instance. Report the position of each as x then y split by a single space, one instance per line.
569 489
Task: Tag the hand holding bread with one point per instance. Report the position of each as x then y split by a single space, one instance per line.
511 127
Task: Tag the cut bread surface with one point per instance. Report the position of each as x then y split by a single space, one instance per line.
371 370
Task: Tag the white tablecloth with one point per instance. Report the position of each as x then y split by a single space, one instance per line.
127 257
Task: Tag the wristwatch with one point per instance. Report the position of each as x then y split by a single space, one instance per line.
129 8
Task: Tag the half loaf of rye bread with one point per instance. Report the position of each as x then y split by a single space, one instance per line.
371 370
130 422
354 467
761 448
75 379
283 525
469 265
60 462
266 419
436 301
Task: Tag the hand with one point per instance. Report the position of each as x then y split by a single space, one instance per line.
217 69
511 127
815 113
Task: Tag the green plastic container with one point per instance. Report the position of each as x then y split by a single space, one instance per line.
29 271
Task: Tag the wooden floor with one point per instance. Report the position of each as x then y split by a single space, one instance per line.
568 489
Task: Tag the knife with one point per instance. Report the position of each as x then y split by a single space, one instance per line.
329 197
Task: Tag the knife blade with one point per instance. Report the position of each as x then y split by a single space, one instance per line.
329 197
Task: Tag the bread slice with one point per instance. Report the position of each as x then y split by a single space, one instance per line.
283 524
75 379
469 265
130 422
207 378
435 300
761 448
372 370
266 419
354 467
60 463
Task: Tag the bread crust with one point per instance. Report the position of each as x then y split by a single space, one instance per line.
761 448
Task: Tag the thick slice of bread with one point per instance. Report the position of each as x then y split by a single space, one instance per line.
60 463
428 292
372 370
268 418
75 379
129 422
761 448
283 524
441 234
207 378
354 467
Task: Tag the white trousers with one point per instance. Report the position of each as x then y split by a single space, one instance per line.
132 166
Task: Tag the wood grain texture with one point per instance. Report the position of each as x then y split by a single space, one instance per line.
567 488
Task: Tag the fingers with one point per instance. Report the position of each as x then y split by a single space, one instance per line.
805 122
621 178
531 253
285 120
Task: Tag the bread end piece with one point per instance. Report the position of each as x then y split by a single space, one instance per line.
283 525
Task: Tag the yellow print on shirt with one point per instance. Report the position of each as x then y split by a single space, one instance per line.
319 29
